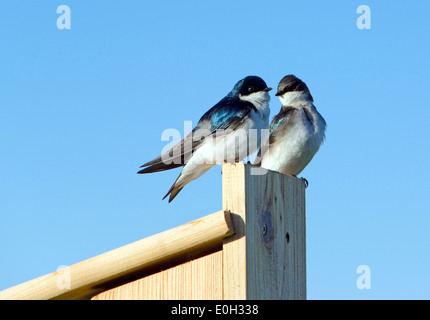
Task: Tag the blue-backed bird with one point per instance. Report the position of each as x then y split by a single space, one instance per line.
221 135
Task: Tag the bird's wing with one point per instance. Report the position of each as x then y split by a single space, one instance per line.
279 125
230 114
173 158
227 114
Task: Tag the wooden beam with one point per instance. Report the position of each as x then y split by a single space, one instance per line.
266 257
92 276
197 279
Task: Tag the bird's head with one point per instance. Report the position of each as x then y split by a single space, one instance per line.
291 87
251 88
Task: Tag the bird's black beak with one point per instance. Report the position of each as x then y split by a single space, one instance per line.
278 94
267 89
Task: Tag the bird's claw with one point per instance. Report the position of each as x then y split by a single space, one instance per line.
305 182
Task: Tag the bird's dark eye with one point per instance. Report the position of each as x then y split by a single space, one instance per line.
250 88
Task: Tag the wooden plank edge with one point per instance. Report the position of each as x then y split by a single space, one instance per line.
86 278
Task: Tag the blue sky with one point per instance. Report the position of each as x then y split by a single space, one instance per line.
82 109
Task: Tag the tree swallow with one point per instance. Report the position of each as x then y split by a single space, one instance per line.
221 135
296 132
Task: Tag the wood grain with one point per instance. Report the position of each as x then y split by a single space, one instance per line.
266 257
199 279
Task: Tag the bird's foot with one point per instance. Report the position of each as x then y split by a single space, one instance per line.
305 182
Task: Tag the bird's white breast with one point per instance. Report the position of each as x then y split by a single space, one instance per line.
232 145
291 153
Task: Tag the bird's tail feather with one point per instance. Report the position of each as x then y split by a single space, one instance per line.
185 178
157 165
177 156
174 190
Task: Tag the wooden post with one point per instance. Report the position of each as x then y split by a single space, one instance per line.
266 257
